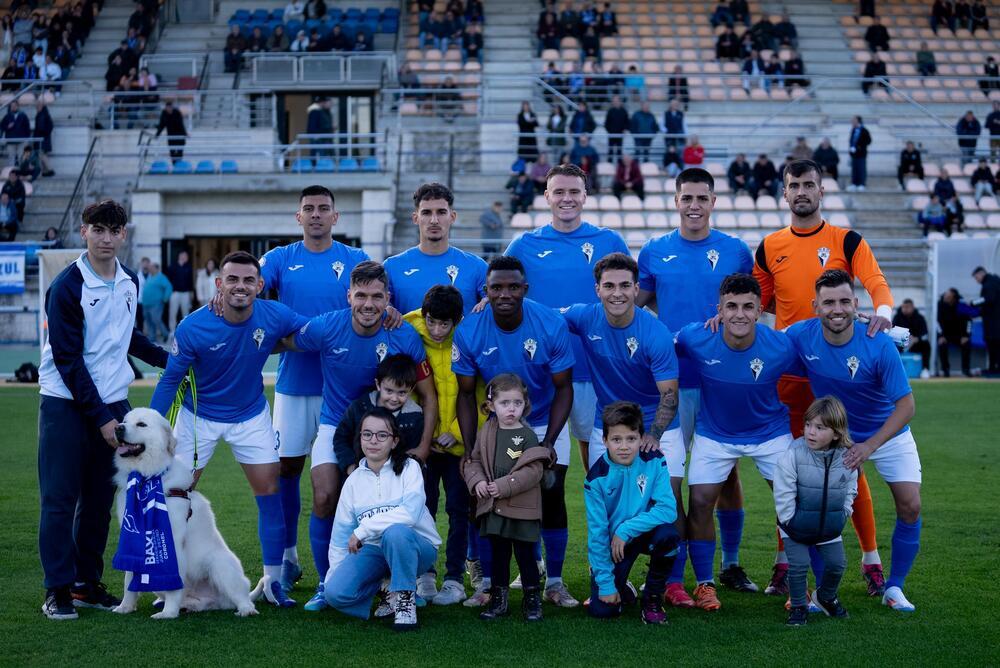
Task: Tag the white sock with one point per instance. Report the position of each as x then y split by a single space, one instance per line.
552 582
273 572
869 558
291 554
781 557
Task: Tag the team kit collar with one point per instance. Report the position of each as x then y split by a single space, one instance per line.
92 280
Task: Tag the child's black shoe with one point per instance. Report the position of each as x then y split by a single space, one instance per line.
831 608
798 616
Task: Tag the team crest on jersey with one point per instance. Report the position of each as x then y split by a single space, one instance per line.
588 250
258 337
338 268
640 482
455 354
530 346
174 350
452 272
263 260
756 366
381 350
823 253
713 258
128 301
632 344
853 364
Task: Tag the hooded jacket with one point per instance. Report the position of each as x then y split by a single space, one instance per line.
813 493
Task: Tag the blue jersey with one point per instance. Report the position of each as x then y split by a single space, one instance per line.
686 275
559 267
538 348
625 362
865 373
739 388
310 283
412 273
349 359
227 359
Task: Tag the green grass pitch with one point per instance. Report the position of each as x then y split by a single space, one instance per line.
953 582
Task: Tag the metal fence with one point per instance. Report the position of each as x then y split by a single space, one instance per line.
291 69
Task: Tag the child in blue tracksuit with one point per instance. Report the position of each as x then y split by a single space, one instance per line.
630 511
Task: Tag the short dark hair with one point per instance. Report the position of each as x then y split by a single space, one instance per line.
443 302
908 301
566 170
240 257
369 271
317 191
694 175
979 269
799 167
399 368
504 263
613 261
833 278
739 284
107 212
429 191
624 413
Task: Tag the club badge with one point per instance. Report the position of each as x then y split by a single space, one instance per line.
713 258
452 272
263 260
174 350
823 253
588 250
128 301
517 440
338 268
455 354
632 344
853 364
530 346
756 365
640 482
258 337
381 350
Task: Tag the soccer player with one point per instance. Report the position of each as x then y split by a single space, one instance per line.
434 261
521 336
351 342
866 374
227 355
83 381
787 264
679 275
311 277
558 261
740 414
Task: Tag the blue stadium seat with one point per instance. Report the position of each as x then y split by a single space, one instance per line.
350 30
388 26
353 13
336 15
370 28
313 24
390 12
370 165
348 165
324 165
240 16
182 167
302 166
372 14
292 29
159 167
260 15
205 167
278 14
228 167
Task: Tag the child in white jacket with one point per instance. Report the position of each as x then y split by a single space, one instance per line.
382 527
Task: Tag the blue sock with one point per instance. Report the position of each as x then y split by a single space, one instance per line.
320 529
291 506
817 564
677 572
730 535
472 551
702 555
555 551
270 528
905 545
485 556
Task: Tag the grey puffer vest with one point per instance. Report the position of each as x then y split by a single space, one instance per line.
823 483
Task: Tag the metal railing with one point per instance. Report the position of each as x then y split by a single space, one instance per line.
170 68
446 103
78 199
290 69
130 110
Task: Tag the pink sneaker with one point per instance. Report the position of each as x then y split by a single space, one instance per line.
874 579
677 597
652 611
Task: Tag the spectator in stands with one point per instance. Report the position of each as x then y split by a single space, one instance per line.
942 13
910 164
30 167
932 215
992 80
877 36
319 121
983 181
874 75
315 9
944 188
740 11
583 150
257 42
582 122
475 12
694 153
6 37
607 21
181 277
236 44
294 11
762 34
740 175
440 30
963 14
448 99
789 159
9 221
968 130
590 45
672 163
765 177
172 121
616 123
539 171
301 42
555 127
204 284
801 150
588 16
794 69
773 72
753 72
522 193
677 87
407 77
628 176
569 21
858 142
954 216
786 32
42 134
548 33
336 40
128 57
746 46
278 41
926 64
361 43
527 124
909 317
116 69
635 84
14 189
993 125
989 309
472 43
51 237
727 46
721 16
554 78
424 9
38 58
456 23
139 21
979 18
15 128
644 128
954 329
492 223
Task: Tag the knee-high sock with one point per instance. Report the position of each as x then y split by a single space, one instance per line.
864 516
291 506
677 569
702 554
730 535
555 552
816 559
271 531
905 545
320 529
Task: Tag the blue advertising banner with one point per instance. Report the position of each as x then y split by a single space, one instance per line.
11 270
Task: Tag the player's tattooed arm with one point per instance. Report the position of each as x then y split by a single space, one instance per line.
665 410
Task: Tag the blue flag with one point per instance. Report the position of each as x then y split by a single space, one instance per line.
146 543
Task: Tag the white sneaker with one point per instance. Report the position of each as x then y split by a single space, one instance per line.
480 597
451 592
559 594
852 188
406 611
893 597
861 189
925 374
427 587
386 604
516 584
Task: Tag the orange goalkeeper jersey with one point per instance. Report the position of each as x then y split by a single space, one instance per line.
789 261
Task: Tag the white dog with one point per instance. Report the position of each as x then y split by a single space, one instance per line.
213 576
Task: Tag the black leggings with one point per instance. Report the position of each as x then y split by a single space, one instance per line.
524 553
554 501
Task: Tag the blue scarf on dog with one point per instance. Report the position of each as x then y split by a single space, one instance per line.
146 543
